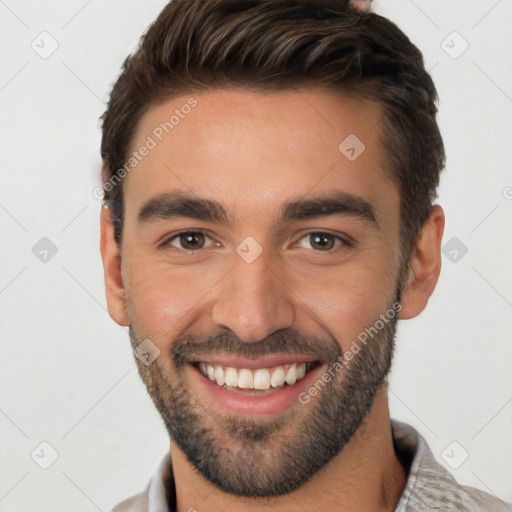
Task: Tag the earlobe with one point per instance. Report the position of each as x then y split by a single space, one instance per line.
424 266
111 256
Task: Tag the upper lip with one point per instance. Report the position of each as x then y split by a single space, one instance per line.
262 362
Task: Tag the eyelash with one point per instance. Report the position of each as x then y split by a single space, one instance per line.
341 241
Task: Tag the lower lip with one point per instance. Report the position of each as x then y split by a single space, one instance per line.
272 403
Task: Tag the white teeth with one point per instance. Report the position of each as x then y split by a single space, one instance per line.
301 371
291 375
245 380
262 378
231 377
218 373
277 379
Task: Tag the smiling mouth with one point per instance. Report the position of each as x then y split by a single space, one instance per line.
255 380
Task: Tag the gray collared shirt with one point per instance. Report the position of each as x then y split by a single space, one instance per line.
429 487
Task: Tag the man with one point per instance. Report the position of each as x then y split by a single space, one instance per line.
269 172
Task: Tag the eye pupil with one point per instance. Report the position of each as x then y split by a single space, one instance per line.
192 240
323 242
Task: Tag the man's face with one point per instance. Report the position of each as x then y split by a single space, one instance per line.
296 255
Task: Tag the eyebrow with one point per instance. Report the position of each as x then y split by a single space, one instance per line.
179 204
335 203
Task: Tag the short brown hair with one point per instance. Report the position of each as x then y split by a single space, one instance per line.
199 45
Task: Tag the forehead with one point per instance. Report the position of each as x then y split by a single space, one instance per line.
253 150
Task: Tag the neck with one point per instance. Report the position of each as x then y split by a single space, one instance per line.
366 475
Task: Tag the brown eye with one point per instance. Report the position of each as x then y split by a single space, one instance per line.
322 242
191 240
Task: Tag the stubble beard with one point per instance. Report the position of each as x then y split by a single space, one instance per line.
262 457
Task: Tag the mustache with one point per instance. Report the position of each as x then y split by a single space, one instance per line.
188 348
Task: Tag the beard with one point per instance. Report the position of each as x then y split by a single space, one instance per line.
265 457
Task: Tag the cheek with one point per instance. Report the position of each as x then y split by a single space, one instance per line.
153 302
347 300
162 301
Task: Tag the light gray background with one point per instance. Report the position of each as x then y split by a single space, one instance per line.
67 372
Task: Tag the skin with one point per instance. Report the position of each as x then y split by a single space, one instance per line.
252 152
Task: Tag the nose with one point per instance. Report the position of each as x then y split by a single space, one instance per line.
252 300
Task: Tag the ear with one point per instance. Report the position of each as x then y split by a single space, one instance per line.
424 266
111 256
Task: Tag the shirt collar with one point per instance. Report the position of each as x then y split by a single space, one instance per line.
161 490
